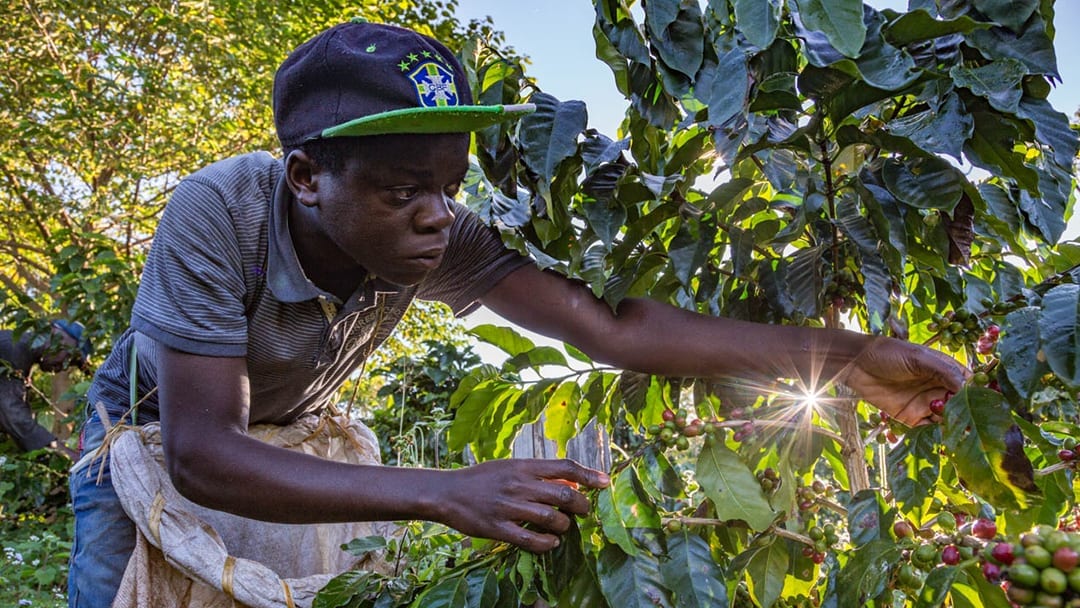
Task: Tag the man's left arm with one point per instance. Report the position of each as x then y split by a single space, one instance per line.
644 335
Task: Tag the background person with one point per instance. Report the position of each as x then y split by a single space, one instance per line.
63 346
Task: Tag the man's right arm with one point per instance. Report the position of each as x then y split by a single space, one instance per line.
213 462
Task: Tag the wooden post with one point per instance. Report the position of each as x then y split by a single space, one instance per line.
589 448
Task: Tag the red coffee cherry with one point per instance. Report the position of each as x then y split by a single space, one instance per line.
984 528
937 407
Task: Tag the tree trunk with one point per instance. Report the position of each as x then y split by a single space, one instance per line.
61 408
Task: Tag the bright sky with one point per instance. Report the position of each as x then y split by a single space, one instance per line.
557 36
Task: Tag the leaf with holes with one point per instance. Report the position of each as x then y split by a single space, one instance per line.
975 423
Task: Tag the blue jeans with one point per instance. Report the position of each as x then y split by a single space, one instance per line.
104 535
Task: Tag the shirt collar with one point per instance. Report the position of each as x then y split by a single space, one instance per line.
284 275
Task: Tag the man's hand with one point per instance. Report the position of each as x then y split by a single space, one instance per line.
521 501
901 379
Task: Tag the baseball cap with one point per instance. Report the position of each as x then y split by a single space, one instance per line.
359 78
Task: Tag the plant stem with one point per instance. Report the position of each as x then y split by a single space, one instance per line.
709 521
1054 468
782 423
831 505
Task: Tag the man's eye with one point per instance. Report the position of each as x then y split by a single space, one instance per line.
403 193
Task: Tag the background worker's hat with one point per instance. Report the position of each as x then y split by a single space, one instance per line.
360 78
77 332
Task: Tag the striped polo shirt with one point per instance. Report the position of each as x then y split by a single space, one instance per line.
223 279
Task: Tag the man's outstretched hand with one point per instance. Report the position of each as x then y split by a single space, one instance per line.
901 379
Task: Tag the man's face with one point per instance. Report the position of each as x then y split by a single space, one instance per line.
390 212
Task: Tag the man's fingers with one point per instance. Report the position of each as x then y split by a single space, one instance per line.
558 493
545 517
567 470
536 542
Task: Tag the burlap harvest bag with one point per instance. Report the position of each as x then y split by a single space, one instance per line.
190 556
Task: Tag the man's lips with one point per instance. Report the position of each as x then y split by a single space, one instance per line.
430 258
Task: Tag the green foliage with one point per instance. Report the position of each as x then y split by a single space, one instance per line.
807 162
35 524
413 417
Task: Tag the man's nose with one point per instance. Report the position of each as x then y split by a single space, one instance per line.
435 214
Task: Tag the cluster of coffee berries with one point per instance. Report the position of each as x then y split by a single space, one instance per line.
677 429
824 538
1042 570
1069 452
1002 308
769 480
881 425
956 328
808 495
841 291
988 340
743 432
928 547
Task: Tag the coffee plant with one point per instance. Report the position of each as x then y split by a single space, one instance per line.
802 162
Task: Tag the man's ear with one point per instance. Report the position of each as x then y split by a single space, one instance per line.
302 175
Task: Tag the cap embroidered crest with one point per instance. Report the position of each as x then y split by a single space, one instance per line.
357 79
434 85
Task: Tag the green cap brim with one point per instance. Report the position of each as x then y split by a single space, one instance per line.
442 119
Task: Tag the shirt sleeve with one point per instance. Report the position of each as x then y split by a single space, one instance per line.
191 294
475 261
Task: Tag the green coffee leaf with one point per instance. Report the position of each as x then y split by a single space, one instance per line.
758 20
924 183
677 34
550 134
840 20
632 581
1059 326
561 415
734 490
867 572
919 25
998 82
448 593
692 574
1017 349
766 571
504 338
937 586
